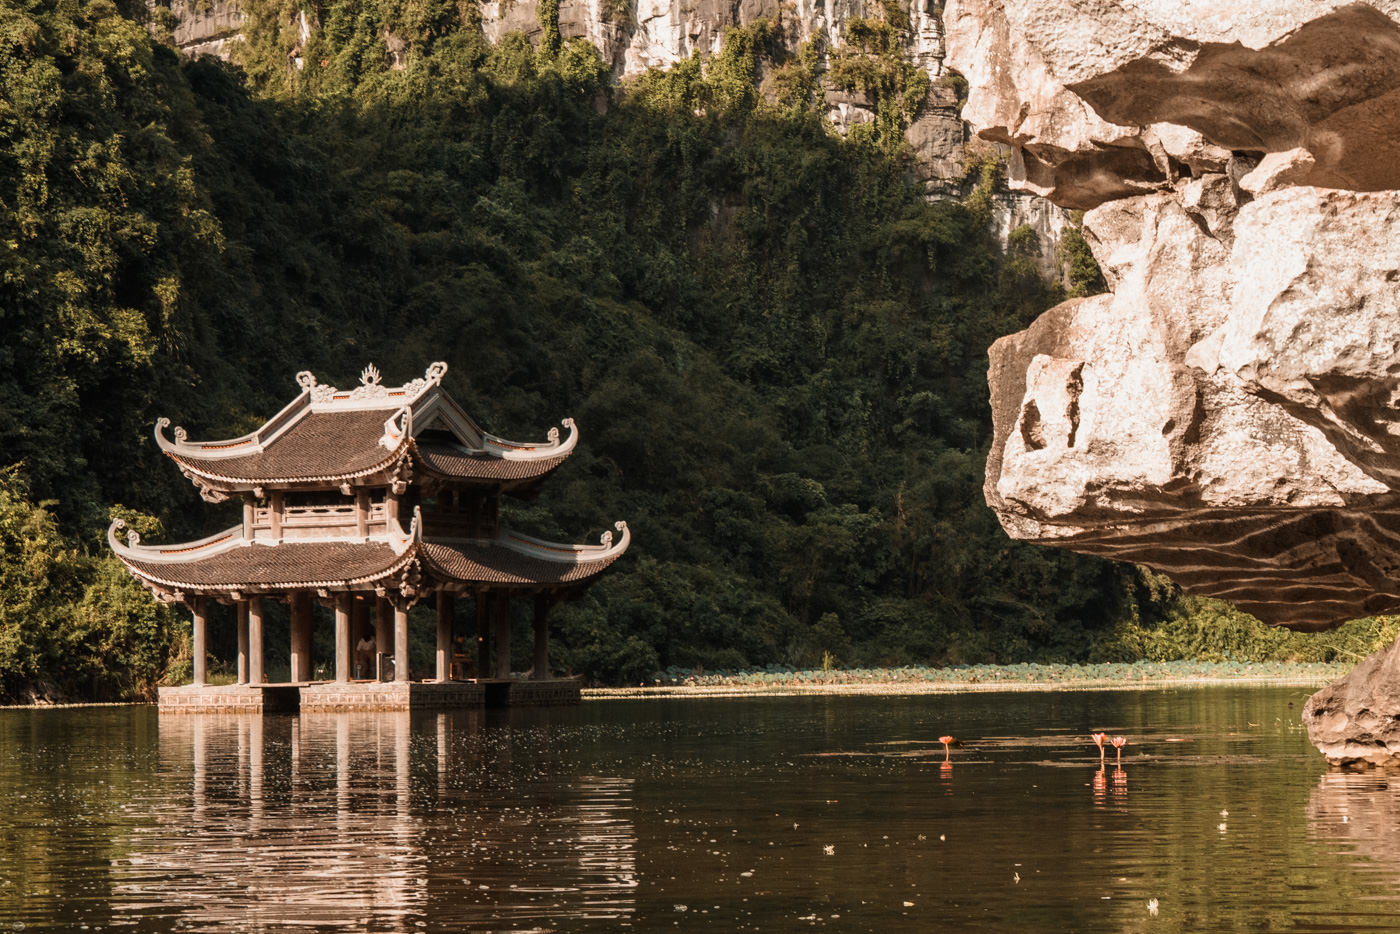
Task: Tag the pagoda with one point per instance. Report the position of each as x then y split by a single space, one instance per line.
376 497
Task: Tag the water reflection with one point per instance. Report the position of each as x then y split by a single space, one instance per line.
382 820
753 814
1360 811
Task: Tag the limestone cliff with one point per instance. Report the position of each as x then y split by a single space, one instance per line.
636 35
1228 414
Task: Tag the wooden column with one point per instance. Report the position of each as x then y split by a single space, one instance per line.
400 641
483 635
274 511
383 632
445 604
301 611
362 512
343 647
198 609
502 634
255 642
242 610
540 671
249 505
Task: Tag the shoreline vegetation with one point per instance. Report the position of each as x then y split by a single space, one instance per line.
980 678
911 680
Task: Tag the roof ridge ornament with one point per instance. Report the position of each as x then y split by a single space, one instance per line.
371 388
607 537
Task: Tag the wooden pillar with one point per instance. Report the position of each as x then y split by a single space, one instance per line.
541 667
502 634
249 505
198 609
301 611
445 605
362 512
483 636
343 646
400 641
255 642
274 512
383 632
242 609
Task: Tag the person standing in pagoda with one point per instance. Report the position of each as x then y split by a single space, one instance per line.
364 655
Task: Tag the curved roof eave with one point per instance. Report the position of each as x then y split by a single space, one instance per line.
387 464
137 558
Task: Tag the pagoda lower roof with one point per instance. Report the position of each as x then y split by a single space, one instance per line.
496 562
227 562
454 461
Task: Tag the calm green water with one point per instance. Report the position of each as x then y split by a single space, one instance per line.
722 814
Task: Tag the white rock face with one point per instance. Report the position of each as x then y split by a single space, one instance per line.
1230 414
1076 87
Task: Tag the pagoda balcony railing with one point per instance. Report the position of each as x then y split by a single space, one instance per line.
316 517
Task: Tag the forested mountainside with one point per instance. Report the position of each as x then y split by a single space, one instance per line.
774 345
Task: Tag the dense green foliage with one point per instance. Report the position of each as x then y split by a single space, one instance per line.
774 345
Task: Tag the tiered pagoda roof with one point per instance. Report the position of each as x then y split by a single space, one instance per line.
309 479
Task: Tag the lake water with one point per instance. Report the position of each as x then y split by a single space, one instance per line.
774 814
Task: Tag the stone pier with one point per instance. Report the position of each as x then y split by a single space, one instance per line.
368 695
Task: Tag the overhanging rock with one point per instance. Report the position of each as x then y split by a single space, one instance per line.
1230 413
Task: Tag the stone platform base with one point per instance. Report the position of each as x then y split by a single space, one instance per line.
393 695
233 698
368 695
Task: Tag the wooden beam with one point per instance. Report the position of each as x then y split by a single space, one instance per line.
199 609
242 610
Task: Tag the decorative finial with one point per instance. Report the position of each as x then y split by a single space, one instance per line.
116 528
180 435
554 436
369 376
306 380
606 539
435 372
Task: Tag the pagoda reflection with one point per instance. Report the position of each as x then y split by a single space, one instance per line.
380 821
